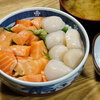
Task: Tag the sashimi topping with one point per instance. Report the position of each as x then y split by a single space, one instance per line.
37 22
31 78
7 62
24 22
37 49
22 51
22 37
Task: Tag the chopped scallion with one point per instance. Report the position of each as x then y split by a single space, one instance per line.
47 55
8 29
65 29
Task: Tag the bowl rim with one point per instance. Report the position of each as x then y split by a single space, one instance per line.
93 56
61 2
64 77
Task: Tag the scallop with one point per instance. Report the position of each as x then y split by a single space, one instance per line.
57 52
52 24
73 57
72 38
55 38
56 69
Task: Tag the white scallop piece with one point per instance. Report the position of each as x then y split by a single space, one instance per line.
73 57
55 38
57 52
52 24
72 38
56 69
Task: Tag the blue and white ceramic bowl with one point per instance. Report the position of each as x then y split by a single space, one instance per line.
50 86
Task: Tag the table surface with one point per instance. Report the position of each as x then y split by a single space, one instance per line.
86 87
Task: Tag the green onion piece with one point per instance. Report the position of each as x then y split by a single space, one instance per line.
36 32
8 29
25 45
43 33
65 29
42 37
31 31
47 55
13 43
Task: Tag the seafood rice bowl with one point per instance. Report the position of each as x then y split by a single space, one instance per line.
42 50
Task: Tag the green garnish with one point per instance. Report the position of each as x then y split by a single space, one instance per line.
31 31
36 32
13 43
42 37
25 45
8 29
65 29
41 33
47 55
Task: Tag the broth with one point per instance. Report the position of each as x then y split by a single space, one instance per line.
88 9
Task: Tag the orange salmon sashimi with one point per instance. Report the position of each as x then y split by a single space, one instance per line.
22 37
6 39
24 22
31 78
9 50
44 79
32 38
44 60
7 62
27 66
37 49
18 27
37 22
19 50
33 28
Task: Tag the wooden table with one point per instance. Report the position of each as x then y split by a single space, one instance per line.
86 87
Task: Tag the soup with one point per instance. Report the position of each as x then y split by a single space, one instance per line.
88 9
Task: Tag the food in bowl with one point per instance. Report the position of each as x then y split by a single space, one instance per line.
25 87
88 9
40 50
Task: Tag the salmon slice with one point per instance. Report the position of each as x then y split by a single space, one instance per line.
24 22
18 27
44 79
6 39
37 22
7 62
27 66
31 78
37 49
19 50
22 37
44 61
7 50
33 28
32 39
